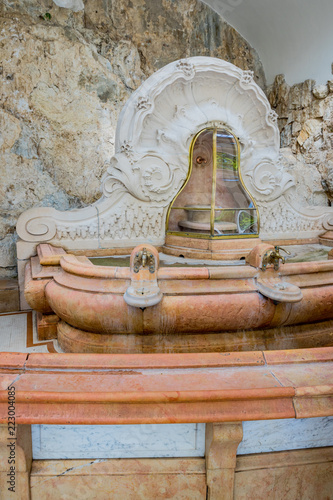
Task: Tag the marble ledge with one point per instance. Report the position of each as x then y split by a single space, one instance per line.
155 388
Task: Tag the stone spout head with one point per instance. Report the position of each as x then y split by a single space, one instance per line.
143 291
265 255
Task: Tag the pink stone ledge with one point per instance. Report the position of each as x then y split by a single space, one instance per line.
167 388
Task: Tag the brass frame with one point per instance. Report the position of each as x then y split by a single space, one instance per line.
212 208
212 205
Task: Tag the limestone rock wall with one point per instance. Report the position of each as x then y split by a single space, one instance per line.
306 125
65 74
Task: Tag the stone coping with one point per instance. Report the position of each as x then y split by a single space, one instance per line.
83 267
167 388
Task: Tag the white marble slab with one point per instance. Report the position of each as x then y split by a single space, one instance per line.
118 441
173 440
263 436
13 332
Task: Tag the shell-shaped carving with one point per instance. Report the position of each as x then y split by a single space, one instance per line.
201 90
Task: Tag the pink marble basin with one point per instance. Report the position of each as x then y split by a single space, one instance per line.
194 302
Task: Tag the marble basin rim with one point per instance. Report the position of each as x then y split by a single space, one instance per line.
208 299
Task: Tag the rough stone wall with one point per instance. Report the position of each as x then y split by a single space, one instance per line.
306 125
64 77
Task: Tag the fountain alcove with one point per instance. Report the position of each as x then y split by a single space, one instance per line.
182 252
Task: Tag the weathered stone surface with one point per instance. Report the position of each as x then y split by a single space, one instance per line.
306 125
64 78
308 180
327 171
320 91
7 257
330 85
312 129
74 5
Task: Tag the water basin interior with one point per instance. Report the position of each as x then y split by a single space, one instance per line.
299 253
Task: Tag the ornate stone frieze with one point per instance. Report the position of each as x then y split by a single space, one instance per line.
279 218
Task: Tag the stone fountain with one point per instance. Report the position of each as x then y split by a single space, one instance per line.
196 176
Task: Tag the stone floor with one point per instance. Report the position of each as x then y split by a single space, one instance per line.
18 333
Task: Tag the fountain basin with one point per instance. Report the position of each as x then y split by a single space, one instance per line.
208 308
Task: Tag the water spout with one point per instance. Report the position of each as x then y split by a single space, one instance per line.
143 291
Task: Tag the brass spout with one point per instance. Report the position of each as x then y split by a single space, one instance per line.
201 160
274 257
143 258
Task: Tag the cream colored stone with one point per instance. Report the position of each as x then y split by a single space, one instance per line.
308 181
303 136
127 63
9 130
312 128
330 85
296 128
19 189
306 126
74 5
320 91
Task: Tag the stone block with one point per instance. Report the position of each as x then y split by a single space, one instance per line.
130 479
320 91
9 296
305 474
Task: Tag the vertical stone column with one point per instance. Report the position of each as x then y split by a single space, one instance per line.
15 462
222 441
